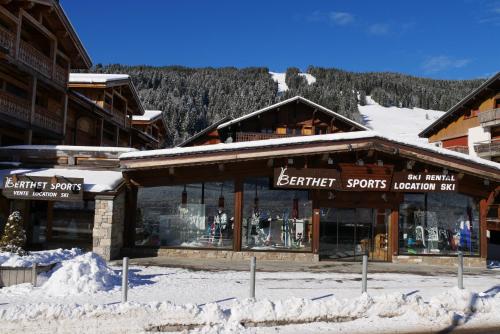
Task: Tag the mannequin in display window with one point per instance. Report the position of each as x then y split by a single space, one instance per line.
220 224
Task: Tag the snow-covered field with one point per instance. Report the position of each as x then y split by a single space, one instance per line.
401 123
280 78
83 295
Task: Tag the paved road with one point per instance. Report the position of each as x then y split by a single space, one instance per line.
287 266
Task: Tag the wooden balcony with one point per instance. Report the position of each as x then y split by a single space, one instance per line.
31 56
489 117
48 120
488 149
7 40
461 149
250 136
15 107
119 117
35 59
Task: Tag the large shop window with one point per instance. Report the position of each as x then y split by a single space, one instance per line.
439 224
73 223
195 215
275 219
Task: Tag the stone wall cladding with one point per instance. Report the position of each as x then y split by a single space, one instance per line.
226 254
107 235
439 260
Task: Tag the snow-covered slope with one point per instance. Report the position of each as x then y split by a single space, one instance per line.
280 79
403 123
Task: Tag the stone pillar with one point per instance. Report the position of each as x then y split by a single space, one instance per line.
107 235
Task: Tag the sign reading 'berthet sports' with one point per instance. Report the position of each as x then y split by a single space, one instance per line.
423 182
363 179
293 178
43 188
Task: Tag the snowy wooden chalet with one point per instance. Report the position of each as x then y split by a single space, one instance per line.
298 181
38 49
473 124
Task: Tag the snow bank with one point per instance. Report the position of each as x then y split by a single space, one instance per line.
41 257
441 311
87 273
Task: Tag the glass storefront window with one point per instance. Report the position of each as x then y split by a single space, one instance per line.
195 215
73 223
275 219
439 224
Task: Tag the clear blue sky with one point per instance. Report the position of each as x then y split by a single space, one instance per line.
452 39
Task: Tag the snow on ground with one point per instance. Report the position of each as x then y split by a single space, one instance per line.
41 258
83 295
280 78
404 123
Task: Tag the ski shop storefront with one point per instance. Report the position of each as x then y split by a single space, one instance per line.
333 196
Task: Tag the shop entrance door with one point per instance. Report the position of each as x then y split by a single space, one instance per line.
347 234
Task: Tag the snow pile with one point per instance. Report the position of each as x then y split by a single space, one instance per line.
404 123
41 257
84 274
280 78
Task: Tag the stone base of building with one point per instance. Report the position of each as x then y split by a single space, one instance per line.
222 254
439 260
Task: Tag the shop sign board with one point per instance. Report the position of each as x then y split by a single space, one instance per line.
363 179
424 182
307 178
43 188
366 178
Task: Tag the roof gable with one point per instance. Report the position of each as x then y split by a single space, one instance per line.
294 99
494 81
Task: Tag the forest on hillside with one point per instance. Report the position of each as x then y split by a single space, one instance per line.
193 98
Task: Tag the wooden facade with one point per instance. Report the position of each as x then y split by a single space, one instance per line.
296 116
151 130
39 48
238 162
480 110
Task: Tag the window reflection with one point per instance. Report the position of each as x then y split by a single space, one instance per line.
438 223
275 219
194 215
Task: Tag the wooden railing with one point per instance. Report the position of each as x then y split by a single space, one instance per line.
489 116
250 136
29 55
49 120
461 149
33 57
60 75
15 107
119 118
488 148
7 40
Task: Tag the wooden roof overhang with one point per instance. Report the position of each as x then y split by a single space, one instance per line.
130 92
483 91
207 130
137 168
60 26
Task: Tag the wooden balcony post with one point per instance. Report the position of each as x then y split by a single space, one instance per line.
53 55
117 139
101 129
29 135
65 113
18 36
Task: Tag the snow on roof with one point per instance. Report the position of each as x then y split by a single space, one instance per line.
149 115
306 101
302 140
403 123
70 148
95 181
96 77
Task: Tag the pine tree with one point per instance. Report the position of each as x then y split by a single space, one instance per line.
14 236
